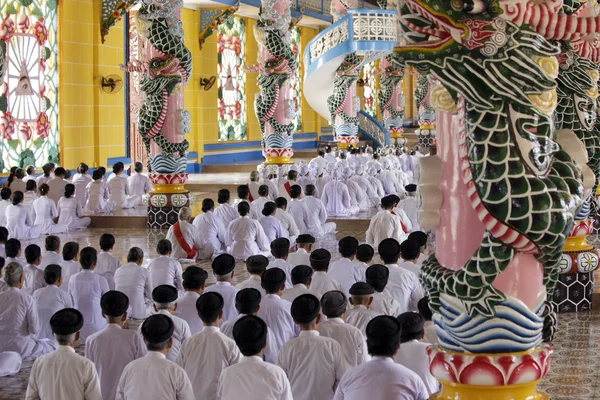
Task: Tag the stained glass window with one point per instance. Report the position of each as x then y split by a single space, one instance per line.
232 79
369 92
28 83
295 81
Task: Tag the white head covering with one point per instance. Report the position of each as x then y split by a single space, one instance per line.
385 164
293 167
347 172
360 169
318 171
303 168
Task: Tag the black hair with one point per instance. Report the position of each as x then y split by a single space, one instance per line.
310 189
410 249
223 196
281 202
3 234
295 191
47 169
2 262
424 310
347 252
163 247
60 171
69 190
342 155
377 284
17 197
52 273
97 174
366 255
107 241
19 173
243 208
246 308
138 167
192 284
249 349
292 175
279 252
11 176
44 189
88 257
102 170
375 156
30 170
5 193
411 336
207 205
419 237
387 203
12 247
243 191
303 280
269 208
82 168
70 250
382 349
67 174
263 190
118 167
52 243
30 185
321 153
135 254
32 253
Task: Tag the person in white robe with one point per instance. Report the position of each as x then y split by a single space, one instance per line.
86 289
256 266
259 202
403 285
364 258
208 352
115 346
19 318
320 180
70 265
165 270
422 239
107 262
318 213
409 206
379 190
70 213
336 197
48 173
119 190
253 185
210 227
56 185
290 229
168 380
359 315
410 252
305 178
165 303
19 221
298 209
10 363
280 250
3 240
429 327
354 159
225 211
401 215
329 156
98 195
358 195
223 266
5 194
322 282
44 212
64 374
33 275
185 239
286 186
30 174
50 299
252 378
30 195
384 225
413 351
301 279
320 160
314 364
81 179
301 256
381 378
134 281
353 344
275 311
377 276
243 194
12 249
247 302
193 284
246 236
345 270
138 184
267 176
269 223
52 254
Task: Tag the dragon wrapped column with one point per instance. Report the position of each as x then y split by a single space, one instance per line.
391 100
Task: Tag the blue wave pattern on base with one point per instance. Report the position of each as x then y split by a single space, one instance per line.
515 328
585 209
275 141
346 130
168 165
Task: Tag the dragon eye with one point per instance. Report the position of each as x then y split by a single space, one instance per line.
474 6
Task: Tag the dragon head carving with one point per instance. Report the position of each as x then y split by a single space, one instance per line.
162 74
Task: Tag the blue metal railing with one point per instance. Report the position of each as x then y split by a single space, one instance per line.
372 129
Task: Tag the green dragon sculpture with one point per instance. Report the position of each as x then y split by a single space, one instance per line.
390 78
347 75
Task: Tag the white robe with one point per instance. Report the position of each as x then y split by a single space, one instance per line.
228 291
253 189
44 211
210 227
336 199
33 279
413 355
385 304
297 209
276 313
43 179
254 379
323 283
165 270
299 257
70 214
98 198
273 190
69 268
190 234
134 281
285 267
350 338
272 227
20 224
346 272
360 316
384 225
106 266
290 229
318 213
409 206
226 213
81 181
86 288
49 300
28 198
181 333
253 282
247 238
270 352
119 192
138 184
257 206
186 310
298 290
3 206
404 286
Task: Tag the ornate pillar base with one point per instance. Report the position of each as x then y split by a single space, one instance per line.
452 391
344 141
426 134
166 199
573 292
278 156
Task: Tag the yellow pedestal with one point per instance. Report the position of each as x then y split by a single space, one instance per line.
342 145
396 135
168 188
279 160
575 244
455 391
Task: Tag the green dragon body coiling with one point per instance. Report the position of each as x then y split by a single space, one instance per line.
390 78
347 75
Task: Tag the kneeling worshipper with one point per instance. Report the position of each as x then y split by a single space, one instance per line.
210 227
280 249
115 346
186 242
225 211
138 183
247 302
361 297
97 195
301 279
269 223
381 378
253 185
413 351
19 323
119 190
19 221
314 364
153 376
223 267
266 180
165 270
350 338
256 266
193 284
409 205
252 378
64 374
317 212
384 225
345 270
321 281
134 281
256 207
377 276
165 297
290 230
301 256
50 299
421 238
429 327
246 236
297 209
336 198
207 353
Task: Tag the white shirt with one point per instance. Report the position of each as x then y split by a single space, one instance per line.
287 223
323 283
165 270
210 227
297 290
404 286
272 227
360 316
314 365
81 181
69 268
270 353
286 267
180 334
186 310
412 267
413 355
386 305
106 266
299 257
134 281
430 333
228 291
204 356
190 234
384 225
49 300
226 213
257 206
154 377
111 350
247 238
34 279
63 374
276 313
19 223
350 338
86 288
50 257
3 206
336 198
297 209
346 272
381 379
253 282
138 184
317 213
254 379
